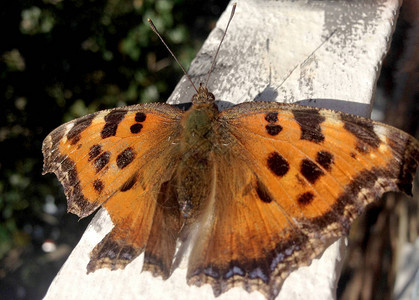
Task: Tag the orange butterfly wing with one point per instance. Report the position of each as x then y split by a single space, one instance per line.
289 180
109 158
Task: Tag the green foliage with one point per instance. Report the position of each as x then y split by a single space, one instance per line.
60 60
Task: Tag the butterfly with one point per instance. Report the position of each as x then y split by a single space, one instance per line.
253 191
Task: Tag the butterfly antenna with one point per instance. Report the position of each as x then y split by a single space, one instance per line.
167 47
219 46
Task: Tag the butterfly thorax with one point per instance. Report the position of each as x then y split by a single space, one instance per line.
196 147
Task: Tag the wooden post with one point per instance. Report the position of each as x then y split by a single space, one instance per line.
318 53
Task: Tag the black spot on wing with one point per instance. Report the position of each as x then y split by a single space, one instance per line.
310 170
125 158
277 164
305 199
98 185
112 121
129 183
140 117
273 129
325 159
101 161
94 151
263 192
79 126
271 117
136 128
363 130
309 121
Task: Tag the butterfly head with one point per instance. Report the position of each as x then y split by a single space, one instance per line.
203 96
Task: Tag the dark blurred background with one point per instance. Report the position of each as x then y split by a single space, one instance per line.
60 60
